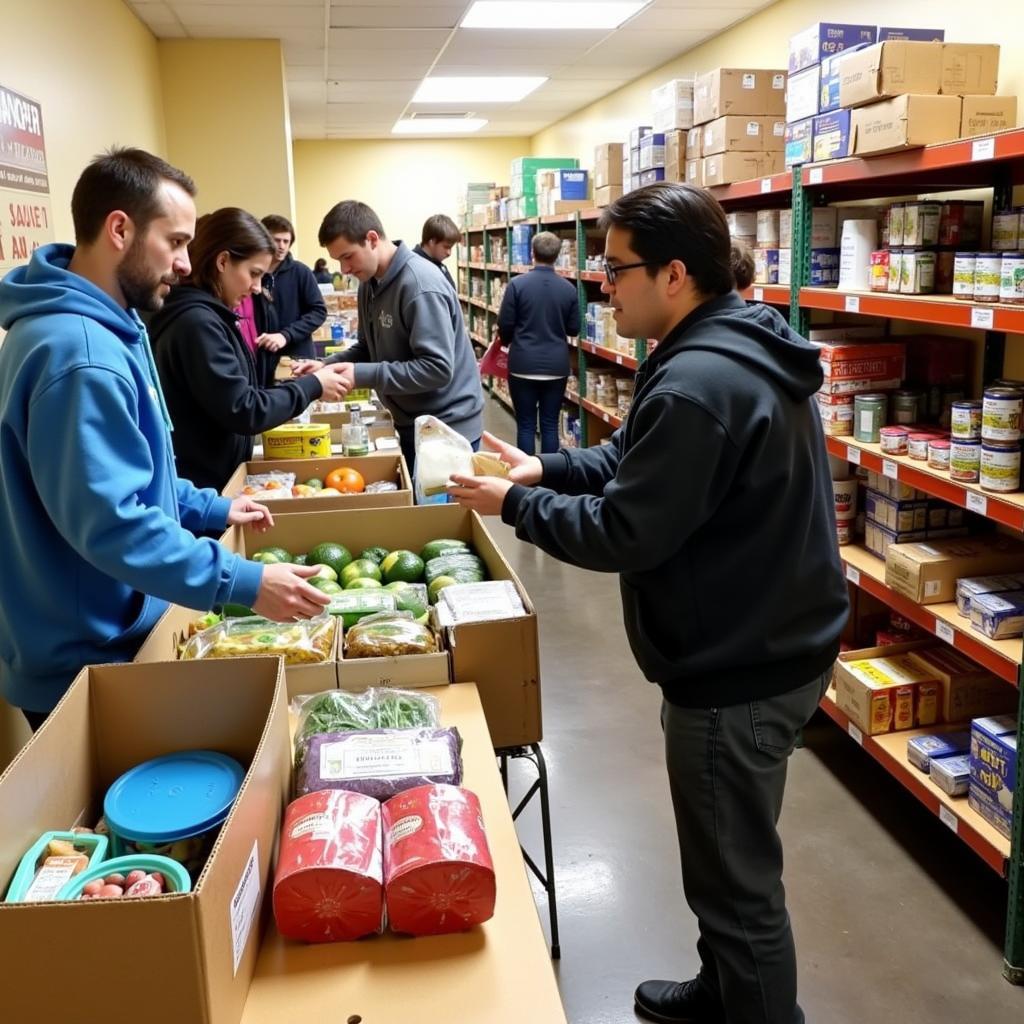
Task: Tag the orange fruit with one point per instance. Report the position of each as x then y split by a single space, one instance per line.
346 480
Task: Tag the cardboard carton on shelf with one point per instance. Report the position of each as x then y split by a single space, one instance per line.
969 69
831 135
734 134
799 142
695 143
607 164
725 168
672 104
803 93
695 172
983 115
994 770
825 38
738 91
904 122
890 69
607 195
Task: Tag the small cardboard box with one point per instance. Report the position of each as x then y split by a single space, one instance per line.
968 690
927 573
733 134
408 670
607 195
724 168
803 91
969 69
799 142
672 104
890 69
112 718
832 135
695 143
738 91
983 115
695 172
607 165
994 770
372 468
823 39
904 123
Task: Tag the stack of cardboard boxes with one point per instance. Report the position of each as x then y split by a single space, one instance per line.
561 191
523 201
672 104
472 203
608 173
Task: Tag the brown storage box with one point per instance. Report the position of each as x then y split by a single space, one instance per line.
725 168
968 690
695 172
904 123
203 944
773 133
733 134
607 165
889 69
982 115
738 91
969 69
694 143
607 195
373 469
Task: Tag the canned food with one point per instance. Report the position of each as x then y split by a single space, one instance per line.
988 275
880 270
1011 280
868 417
921 223
844 531
845 495
965 461
917 272
1006 230
906 407
1000 467
917 445
965 420
938 454
895 269
894 440
963 275
1000 414
896 222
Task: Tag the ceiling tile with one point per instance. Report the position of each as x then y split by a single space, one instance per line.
564 41
677 19
305 73
280 16
391 41
381 16
359 90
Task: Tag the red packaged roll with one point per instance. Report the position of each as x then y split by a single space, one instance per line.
328 884
438 874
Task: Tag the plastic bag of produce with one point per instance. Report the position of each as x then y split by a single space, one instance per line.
380 762
328 883
438 873
274 485
380 487
454 563
440 454
387 635
353 605
301 643
478 602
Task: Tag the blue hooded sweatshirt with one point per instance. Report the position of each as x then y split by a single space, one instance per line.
96 530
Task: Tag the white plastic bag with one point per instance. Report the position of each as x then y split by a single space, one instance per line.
440 454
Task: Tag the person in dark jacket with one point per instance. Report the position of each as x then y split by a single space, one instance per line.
539 310
208 372
321 273
439 234
714 503
299 307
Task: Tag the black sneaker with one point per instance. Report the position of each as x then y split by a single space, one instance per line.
670 1002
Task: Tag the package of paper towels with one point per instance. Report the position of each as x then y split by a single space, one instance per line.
859 240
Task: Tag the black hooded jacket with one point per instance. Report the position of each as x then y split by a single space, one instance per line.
212 386
714 503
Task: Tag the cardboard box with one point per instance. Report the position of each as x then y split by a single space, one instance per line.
768 228
994 770
920 35
373 468
799 142
733 134
607 195
825 268
983 115
766 266
724 168
112 718
742 224
828 88
638 133
558 206
695 172
803 90
675 156
652 151
968 690
904 123
927 573
773 133
969 69
650 176
672 104
379 422
607 165
831 135
890 69
409 670
570 184
738 91
823 39
694 143
786 272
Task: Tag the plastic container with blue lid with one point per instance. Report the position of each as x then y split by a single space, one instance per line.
173 806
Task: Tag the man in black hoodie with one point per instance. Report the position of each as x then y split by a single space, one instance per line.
714 504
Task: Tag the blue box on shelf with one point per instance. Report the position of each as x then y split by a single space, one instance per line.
650 176
917 35
994 770
828 98
799 142
824 267
573 184
832 135
824 38
638 133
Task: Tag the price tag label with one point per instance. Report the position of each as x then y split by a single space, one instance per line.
766 185
618 360
852 303
977 503
604 416
855 733
944 631
759 295
983 149
982 318
815 176
890 469
948 818
853 454
853 575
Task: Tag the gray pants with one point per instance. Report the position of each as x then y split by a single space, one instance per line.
727 772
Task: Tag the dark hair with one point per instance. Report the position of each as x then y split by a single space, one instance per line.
545 246
321 264
671 221
742 260
349 219
122 179
440 228
230 230
275 223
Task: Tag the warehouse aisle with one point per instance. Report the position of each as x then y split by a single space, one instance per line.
895 919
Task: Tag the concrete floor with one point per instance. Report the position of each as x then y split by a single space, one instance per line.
896 920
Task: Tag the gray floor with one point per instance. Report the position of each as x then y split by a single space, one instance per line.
895 919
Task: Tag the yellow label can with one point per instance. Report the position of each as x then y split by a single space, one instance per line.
297 441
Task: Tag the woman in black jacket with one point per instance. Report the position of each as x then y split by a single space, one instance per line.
208 371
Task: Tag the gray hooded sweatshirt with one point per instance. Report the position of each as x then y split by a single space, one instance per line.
413 348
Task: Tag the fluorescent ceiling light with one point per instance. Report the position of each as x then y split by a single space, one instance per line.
504 89
437 125
549 14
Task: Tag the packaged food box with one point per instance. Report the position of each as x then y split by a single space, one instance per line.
969 586
297 441
831 135
900 516
951 774
998 616
878 538
904 122
994 770
824 39
883 692
921 750
799 142
983 115
968 690
802 91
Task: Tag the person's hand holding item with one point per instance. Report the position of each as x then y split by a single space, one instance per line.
303 366
482 494
246 511
272 342
349 370
284 594
334 380
526 469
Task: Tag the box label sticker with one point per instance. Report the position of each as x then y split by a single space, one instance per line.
948 818
853 454
932 587
852 304
977 503
983 318
983 149
244 905
750 81
890 469
778 81
759 295
753 128
944 631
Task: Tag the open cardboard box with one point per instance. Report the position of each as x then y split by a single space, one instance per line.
379 422
501 657
87 962
372 468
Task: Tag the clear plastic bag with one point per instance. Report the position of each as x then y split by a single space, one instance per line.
306 642
387 635
440 453
380 487
273 485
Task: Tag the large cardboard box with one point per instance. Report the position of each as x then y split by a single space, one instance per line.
927 573
738 91
889 69
969 69
734 134
672 104
202 944
904 123
725 168
607 165
695 172
607 195
968 690
773 132
823 39
372 468
983 115
694 143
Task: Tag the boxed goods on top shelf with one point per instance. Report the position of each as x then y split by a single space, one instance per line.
672 105
609 174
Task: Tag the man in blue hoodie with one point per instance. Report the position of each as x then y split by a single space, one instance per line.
98 532
714 504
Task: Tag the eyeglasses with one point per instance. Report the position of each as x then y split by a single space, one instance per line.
612 270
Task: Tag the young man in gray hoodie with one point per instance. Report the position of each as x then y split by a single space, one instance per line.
413 348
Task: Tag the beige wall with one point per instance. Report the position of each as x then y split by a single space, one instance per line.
405 181
228 127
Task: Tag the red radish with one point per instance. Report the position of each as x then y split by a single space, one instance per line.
110 890
159 879
133 877
115 879
93 888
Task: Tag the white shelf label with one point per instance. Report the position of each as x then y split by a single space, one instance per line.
890 469
852 303
853 454
855 733
977 503
618 359
853 575
983 149
944 631
983 318
604 416
766 185
816 176
759 295
948 818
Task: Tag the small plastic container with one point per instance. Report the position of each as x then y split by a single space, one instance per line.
173 806
938 454
92 845
176 878
894 440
